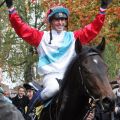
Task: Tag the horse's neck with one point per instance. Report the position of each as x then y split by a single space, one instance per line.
74 90
73 99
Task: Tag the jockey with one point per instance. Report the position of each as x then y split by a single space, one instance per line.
56 48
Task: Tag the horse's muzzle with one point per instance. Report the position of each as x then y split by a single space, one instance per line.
108 104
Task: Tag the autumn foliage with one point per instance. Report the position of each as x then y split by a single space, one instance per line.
82 12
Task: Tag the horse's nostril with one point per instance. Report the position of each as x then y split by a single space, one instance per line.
108 103
106 100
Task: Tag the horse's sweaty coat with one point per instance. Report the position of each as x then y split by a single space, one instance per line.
86 77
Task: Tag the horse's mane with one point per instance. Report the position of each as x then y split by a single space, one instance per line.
68 72
72 101
71 69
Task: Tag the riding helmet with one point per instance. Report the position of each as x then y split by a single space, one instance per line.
57 12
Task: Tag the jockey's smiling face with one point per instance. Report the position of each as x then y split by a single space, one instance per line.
58 24
58 18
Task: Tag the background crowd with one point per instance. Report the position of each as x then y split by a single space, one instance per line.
25 93
21 102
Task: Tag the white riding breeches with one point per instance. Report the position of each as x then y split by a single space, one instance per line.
50 85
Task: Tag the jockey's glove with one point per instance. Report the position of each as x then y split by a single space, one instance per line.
9 3
105 3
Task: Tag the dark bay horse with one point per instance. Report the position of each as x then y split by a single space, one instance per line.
85 78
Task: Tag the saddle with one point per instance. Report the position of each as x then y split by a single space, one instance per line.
38 88
35 111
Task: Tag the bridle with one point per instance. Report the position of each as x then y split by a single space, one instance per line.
80 71
1 4
92 99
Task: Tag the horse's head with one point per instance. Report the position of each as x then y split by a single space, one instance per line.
94 74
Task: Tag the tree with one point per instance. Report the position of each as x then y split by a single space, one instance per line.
82 12
15 55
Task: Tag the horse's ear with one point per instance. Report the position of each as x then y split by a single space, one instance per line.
78 46
101 46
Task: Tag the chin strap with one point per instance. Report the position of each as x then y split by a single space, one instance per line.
50 35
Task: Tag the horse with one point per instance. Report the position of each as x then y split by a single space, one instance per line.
86 79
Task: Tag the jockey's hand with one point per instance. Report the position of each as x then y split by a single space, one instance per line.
9 3
105 3
90 116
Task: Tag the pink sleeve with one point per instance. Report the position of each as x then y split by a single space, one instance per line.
23 30
90 31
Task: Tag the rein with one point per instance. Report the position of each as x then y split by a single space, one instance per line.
91 109
92 100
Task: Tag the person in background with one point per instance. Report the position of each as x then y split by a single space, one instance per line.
21 100
30 91
7 93
7 110
56 47
6 99
117 93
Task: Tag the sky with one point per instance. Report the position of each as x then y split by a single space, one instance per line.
5 80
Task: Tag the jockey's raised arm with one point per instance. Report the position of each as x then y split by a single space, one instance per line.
56 47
